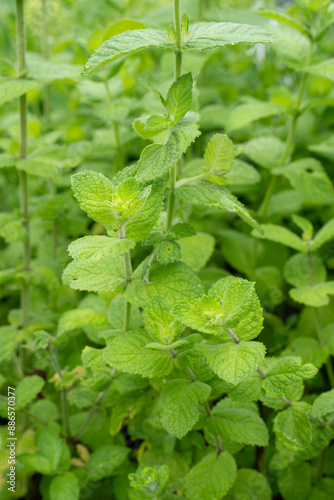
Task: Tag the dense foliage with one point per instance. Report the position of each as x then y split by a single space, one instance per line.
166 249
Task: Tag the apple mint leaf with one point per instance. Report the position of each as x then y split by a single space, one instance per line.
212 477
178 405
78 318
297 270
159 321
323 404
93 248
179 97
27 389
128 352
239 424
324 69
249 111
264 151
142 222
325 234
127 43
211 195
156 159
212 35
250 485
11 88
284 372
173 282
292 427
65 486
231 361
94 194
104 275
196 250
201 314
219 153
241 307
313 296
105 460
282 235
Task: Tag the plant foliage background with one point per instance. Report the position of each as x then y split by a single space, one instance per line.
166 241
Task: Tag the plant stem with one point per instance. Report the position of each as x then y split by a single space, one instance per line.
177 74
23 178
286 154
46 54
320 464
90 414
218 442
128 277
64 412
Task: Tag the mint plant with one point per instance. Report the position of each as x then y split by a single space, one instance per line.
182 346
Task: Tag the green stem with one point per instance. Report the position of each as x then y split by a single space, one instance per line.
286 154
177 74
90 414
64 411
320 464
128 278
206 406
23 178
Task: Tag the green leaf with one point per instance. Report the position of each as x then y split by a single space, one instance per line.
27 389
250 111
242 174
142 222
179 97
325 234
178 405
239 424
250 485
36 462
11 88
127 43
295 481
219 153
324 69
197 250
323 404
265 151
127 352
284 18
241 306
308 177
323 490
92 358
105 275
212 477
151 479
292 427
324 148
297 270
293 48
212 195
105 460
82 397
313 296
78 318
212 35
94 194
48 161
159 321
65 487
7 160
173 282
200 314
233 362
283 372
157 159
93 248
282 235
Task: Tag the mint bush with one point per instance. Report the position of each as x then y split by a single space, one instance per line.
182 346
